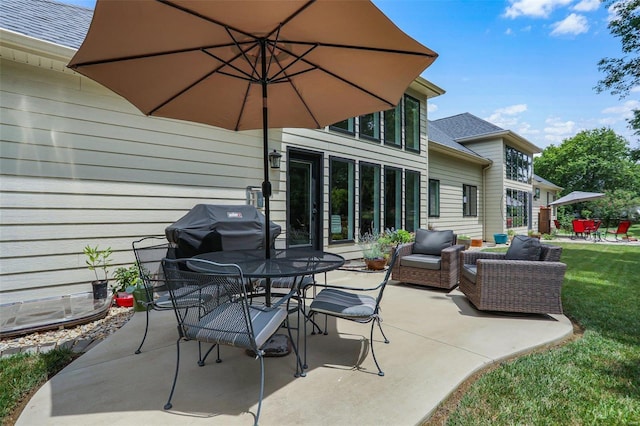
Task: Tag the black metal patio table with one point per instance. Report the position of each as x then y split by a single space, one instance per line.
283 263
292 262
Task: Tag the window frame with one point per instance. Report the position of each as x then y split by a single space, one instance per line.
437 200
397 197
414 197
351 123
469 206
377 197
406 99
377 123
350 199
398 123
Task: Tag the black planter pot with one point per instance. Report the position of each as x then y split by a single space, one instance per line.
100 289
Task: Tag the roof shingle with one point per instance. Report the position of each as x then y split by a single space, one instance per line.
58 23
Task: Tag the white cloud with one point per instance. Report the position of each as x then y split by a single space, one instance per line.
508 117
587 6
573 24
533 8
431 107
621 112
508 31
635 89
557 130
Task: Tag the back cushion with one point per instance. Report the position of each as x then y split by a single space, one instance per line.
432 242
524 248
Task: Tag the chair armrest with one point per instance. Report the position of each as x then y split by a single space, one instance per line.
471 257
404 250
450 258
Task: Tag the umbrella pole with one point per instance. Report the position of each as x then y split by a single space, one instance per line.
266 185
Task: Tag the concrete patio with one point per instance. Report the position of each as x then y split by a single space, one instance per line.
437 340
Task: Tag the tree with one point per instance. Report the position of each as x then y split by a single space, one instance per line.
623 74
615 205
596 160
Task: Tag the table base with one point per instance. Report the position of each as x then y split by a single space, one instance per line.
278 345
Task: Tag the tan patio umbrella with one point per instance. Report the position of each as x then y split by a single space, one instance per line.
251 64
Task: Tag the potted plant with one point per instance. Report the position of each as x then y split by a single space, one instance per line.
125 278
464 240
533 234
391 239
510 234
140 295
372 251
98 259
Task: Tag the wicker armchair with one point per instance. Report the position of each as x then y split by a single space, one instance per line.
442 271
493 283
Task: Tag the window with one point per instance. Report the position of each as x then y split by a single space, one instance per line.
393 126
517 208
517 165
412 200
342 200
345 126
469 200
370 126
434 198
392 198
411 123
369 198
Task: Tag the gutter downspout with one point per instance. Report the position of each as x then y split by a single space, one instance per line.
484 200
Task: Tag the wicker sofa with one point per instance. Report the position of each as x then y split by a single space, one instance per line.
413 266
494 283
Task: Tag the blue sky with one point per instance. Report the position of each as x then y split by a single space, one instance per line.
529 66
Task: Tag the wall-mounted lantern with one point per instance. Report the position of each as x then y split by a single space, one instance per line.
274 159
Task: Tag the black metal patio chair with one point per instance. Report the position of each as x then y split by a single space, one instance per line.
228 318
149 252
351 304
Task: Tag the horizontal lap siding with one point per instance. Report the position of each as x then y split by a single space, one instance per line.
494 191
81 166
452 174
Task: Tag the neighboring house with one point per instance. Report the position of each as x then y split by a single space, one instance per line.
502 188
544 192
80 165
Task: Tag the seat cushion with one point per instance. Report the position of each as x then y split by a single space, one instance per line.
524 248
422 261
226 325
343 304
432 242
470 272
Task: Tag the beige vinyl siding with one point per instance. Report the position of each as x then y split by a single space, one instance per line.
545 194
495 222
452 174
79 166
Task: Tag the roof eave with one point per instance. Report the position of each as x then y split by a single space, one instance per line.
447 150
508 135
24 43
426 88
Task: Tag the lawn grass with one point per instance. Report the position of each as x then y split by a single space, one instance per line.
20 374
592 380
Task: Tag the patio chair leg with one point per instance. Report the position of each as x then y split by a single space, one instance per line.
383 335
201 360
380 372
261 387
168 405
146 328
